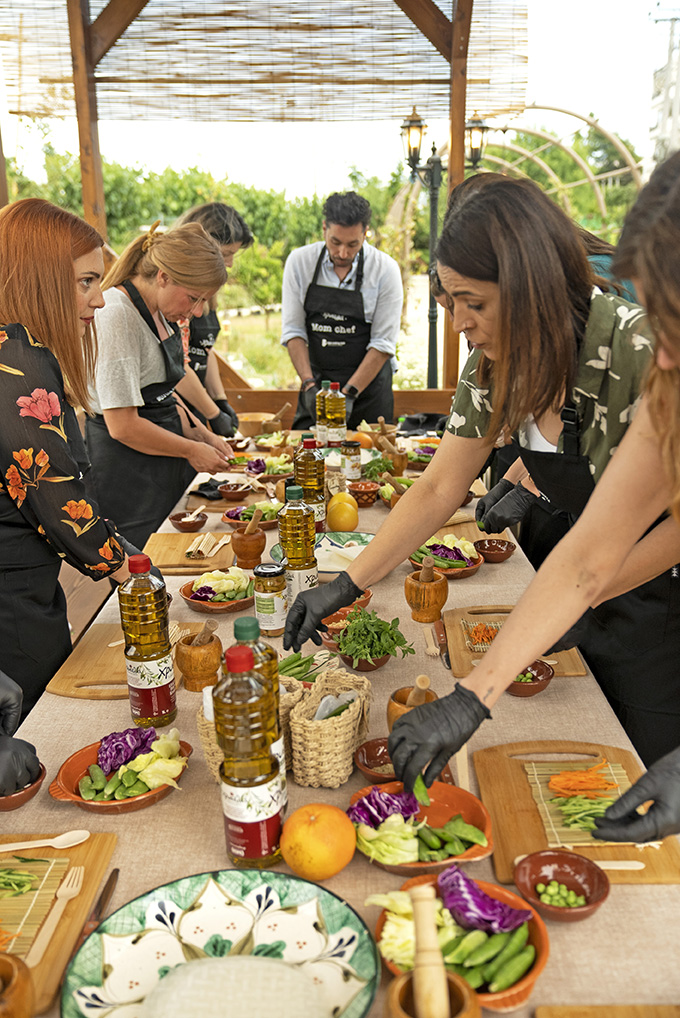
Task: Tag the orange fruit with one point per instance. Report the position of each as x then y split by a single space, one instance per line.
318 841
362 437
342 516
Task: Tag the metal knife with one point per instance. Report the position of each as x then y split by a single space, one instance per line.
98 911
440 633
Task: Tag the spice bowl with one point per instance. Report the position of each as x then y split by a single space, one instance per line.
576 872
542 673
372 755
494 549
364 492
20 798
186 526
234 492
396 705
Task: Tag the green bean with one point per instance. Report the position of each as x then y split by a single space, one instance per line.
97 777
15 882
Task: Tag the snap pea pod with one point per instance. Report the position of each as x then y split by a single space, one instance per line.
112 784
454 846
483 954
139 788
128 778
474 977
97 777
513 970
427 835
470 942
86 788
518 939
458 828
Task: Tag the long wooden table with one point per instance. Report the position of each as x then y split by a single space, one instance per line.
626 953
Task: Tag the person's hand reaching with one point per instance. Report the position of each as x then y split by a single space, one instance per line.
19 765
310 607
661 784
11 698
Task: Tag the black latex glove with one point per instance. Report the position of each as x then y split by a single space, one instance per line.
222 424
11 697
19 765
505 505
309 400
661 783
573 636
131 549
432 733
208 489
349 406
304 618
226 407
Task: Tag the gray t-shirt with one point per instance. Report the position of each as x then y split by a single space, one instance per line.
129 356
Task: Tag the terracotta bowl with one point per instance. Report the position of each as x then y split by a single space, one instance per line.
454 574
336 622
20 798
365 492
365 665
65 785
370 755
180 522
234 492
494 549
516 996
543 673
263 524
329 642
210 608
574 871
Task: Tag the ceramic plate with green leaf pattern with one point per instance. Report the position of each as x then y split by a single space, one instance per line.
218 914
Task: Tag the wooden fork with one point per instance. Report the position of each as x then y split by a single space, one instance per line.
432 650
69 888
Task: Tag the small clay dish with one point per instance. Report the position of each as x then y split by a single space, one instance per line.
234 492
20 798
213 607
370 755
494 549
574 871
364 665
365 492
543 674
180 522
453 574
337 621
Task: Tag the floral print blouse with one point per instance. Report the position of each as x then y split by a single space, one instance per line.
45 508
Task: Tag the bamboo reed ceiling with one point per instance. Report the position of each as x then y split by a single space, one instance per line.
262 60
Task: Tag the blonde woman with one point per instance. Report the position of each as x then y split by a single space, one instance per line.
145 446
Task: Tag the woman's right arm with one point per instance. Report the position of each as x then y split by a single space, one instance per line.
125 425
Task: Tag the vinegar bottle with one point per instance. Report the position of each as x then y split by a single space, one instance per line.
250 777
296 536
148 655
321 421
336 414
310 475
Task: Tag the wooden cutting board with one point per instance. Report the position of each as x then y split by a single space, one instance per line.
219 505
517 826
610 1011
168 552
96 671
94 854
569 662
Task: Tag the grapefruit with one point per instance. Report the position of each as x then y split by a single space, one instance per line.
364 440
318 841
343 496
342 517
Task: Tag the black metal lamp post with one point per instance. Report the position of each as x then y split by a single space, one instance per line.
430 175
475 136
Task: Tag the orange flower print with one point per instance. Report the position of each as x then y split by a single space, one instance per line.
105 551
101 567
81 510
42 459
15 485
24 458
3 336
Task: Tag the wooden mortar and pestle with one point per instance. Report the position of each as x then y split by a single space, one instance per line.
274 423
248 543
384 431
405 699
429 991
399 459
399 489
426 592
16 988
199 656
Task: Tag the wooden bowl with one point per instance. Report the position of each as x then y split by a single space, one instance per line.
365 492
248 548
213 608
16 988
250 424
200 665
494 549
20 798
396 705
575 871
234 492
262 525
65 785
370 755
180 522
399 1001
364 665
446 801
543 673
453 574
517 995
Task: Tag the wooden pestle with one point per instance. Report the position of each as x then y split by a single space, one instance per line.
427 571
387 447
284 439
279 413
254 523
205 635
399 488
430 985
418 694
381 424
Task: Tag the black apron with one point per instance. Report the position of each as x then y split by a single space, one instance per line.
337 339
136 490
202 335
632 642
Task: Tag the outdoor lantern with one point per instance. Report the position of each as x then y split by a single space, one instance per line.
475 130
412 131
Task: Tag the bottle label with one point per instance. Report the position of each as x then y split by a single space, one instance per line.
321 432
351 467
319 511
151 687
337 433
253 817
278 750
271 609
298 580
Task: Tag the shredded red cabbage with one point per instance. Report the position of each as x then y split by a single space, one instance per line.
204 593
427 450
473 908
378 805
119 748
455 554
257 466
235 514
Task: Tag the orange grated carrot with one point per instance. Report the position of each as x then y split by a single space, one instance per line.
481 633
6 939
588 783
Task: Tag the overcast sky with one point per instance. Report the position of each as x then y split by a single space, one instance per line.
591 56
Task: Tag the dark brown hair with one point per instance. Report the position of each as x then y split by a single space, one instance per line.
510 233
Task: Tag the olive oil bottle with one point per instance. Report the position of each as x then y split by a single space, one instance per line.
310 475
297 538
321 420
336 414
251 781
143 606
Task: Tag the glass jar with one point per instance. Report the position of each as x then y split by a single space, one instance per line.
350 460
271 600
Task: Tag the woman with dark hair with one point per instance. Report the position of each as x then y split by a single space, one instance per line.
561 368
202 387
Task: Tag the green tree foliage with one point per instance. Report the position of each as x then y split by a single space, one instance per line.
259 271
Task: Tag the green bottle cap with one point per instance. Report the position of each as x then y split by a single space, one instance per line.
293 492
325 385
306 435
246 629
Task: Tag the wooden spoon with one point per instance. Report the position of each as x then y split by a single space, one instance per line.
194 514
430 985
418 694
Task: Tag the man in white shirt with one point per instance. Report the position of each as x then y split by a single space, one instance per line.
342 303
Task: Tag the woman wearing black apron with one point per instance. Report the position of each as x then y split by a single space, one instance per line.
144 446
545 348
51 268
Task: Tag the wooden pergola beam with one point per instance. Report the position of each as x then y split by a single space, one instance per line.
429 20
108 27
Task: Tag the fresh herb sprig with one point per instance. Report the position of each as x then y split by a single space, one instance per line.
367 637
376 467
